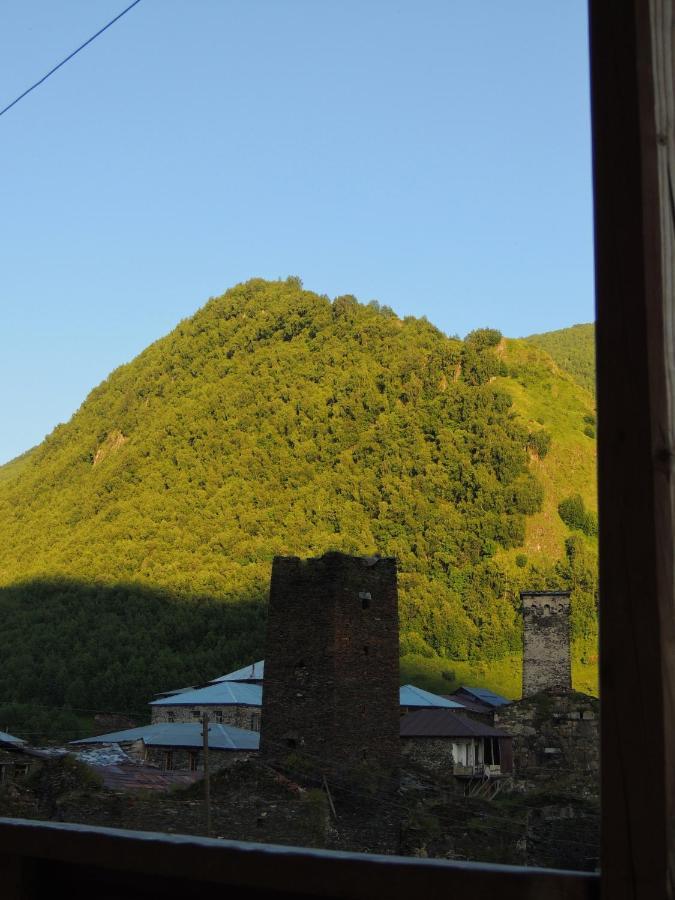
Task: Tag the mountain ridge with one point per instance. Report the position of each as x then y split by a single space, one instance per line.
275 421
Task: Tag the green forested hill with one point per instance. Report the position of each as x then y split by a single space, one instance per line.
574 351
137 540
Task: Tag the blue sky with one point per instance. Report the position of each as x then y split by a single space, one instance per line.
432 155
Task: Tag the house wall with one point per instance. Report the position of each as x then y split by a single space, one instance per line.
247 717
14 765
331 663
181 758
555 734
433 754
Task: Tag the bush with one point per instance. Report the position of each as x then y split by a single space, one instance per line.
482 338
539 442
521 560
575 515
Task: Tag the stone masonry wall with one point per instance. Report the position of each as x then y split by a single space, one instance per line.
546 641
247 717
331 664
432 754
555 736
181 759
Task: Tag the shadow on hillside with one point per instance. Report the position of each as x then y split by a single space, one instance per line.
109 648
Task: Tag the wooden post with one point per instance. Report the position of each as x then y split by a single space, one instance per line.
634 176
207 780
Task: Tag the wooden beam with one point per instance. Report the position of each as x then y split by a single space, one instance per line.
632 99
83 862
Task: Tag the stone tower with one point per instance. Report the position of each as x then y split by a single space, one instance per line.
546 641
331 690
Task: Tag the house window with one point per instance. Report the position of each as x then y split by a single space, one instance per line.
255 722
168 761
171 716
218 716
196 714
365 598
194 762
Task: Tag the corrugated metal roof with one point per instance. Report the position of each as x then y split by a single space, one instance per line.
254 672
414 696
445 723
486 696
6 738
181 734
471 704
224 693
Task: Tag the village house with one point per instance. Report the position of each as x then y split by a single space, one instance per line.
226 703
179 747
18 759
446 743
480 703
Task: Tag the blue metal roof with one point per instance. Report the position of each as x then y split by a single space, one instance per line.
254 672
189 735
6 738
486 695
414 696
223 693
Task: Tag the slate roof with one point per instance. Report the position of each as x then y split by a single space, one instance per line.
445 723
6 738
414 696
254 672
484 695
181 734
223 693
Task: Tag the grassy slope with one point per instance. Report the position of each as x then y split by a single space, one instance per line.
573 349
558 404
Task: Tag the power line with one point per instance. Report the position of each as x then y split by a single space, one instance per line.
69 57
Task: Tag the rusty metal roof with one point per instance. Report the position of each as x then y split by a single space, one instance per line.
129 777
445 723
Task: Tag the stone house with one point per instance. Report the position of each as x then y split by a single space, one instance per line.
180 747
555 734
18 759
13 761
226 702
480 703
447 743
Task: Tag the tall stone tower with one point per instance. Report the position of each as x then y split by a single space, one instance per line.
331 665
546 641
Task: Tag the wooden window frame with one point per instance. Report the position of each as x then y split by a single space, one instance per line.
634 177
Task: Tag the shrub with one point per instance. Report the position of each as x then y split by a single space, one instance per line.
539 442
